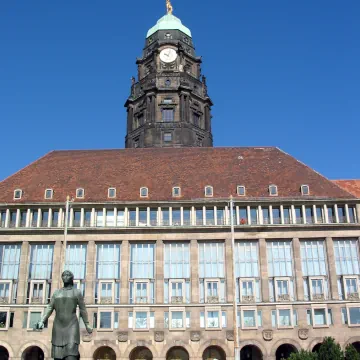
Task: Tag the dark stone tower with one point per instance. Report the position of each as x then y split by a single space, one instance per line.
169 105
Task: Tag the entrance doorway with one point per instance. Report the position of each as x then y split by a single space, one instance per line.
214 353
104 353
33 353
141 353
284 351
250 352
4 354
177 353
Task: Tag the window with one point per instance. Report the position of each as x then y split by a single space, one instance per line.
32 317
99 218
48 194
209 192
177 273
266 215
187 217
220 216
76 263
2 218
107 288
9 268
276 216
55 218
210 216
241 191
120 218
309 215
141 319
249 318
176 217
38 292
153 217
320 316
111 193
196 119
341 214
132 217
305 190
176 192
199 216
273 190
284 317
353 315
76 221
144 192
346 257
142 272
167 137
6 319
254 216
287 215
298 215
350 288
167 114
165 217
320 215
18 194
213 318
331 214
13 217
110 218
80 193
108 320
283 289
179 319
5 291
352 214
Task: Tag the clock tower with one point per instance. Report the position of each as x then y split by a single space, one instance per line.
169 104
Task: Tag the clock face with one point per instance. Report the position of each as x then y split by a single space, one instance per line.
168 55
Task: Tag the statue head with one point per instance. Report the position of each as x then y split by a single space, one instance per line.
67 277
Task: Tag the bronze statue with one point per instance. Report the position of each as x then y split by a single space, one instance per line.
66 332
169 7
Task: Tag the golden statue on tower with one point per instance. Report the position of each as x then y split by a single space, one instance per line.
169 7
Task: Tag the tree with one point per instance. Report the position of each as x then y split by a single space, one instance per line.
351 353
330 350
303 355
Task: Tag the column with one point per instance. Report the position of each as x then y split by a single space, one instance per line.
23 272
130 115
357 213
334 293
229 270
299 284
159 272
56 282
264 270
90 272
207 118
124 272
194 270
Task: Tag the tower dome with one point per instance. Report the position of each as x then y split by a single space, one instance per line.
169 22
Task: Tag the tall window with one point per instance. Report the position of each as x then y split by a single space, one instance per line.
9 272
281 284
212 272
347 268
247 271
107 289
177 273
168 114
313 261
142 273
196 119
76 263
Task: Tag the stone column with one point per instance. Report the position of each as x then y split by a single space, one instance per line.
124 273
229 270
334 293
299 283
159 272
207 118
264 270
56 276
357 213
130 115
194 268
23 273
90 272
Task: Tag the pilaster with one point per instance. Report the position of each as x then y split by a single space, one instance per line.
264 270
159 272
124 272
332 268
229 270
90 272
194 268
56 270
298 269
23 272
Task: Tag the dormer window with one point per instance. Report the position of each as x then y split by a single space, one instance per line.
144 192
80 193
17 194
209 191
305 190
273 190
176 191
49 194
241 190
111 193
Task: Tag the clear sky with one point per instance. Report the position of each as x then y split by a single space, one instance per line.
283 73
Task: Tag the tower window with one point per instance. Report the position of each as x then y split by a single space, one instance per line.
167 82
167 114
17 194
305 190
80 193
139 120
49 194
144 192
241 190
167 137
111 193
136 142
209 191
273 190
196 119
168 101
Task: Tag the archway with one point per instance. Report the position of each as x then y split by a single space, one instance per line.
104 353
141 353
356 345
33 353
284 351
214 353
4 354
177 353
251 352
316 348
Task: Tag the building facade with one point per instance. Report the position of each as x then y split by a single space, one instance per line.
149 236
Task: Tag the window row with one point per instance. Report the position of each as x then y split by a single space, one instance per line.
182 216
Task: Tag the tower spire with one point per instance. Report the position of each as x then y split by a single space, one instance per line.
169 7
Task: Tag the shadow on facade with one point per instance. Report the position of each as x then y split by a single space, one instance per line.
177 353
141 353
214 353
4 354
356 345
316 348
284 351
33 353
251 352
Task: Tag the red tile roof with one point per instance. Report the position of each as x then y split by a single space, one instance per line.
352 186
160 169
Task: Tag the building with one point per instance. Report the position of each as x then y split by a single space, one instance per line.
150 237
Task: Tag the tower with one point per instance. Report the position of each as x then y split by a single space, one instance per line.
169 104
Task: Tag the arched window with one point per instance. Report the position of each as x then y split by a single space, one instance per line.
144 192
273 190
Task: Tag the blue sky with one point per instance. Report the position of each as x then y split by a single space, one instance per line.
281 73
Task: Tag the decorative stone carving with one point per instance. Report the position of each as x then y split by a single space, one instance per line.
213 299
159 336
318 297
353 296
303 334
106 300
85 337
123 336
177 299
37 300
248 299
4 300
230 335
195 336
268 335
284 297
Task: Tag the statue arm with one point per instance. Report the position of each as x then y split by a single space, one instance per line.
49 309
82 307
